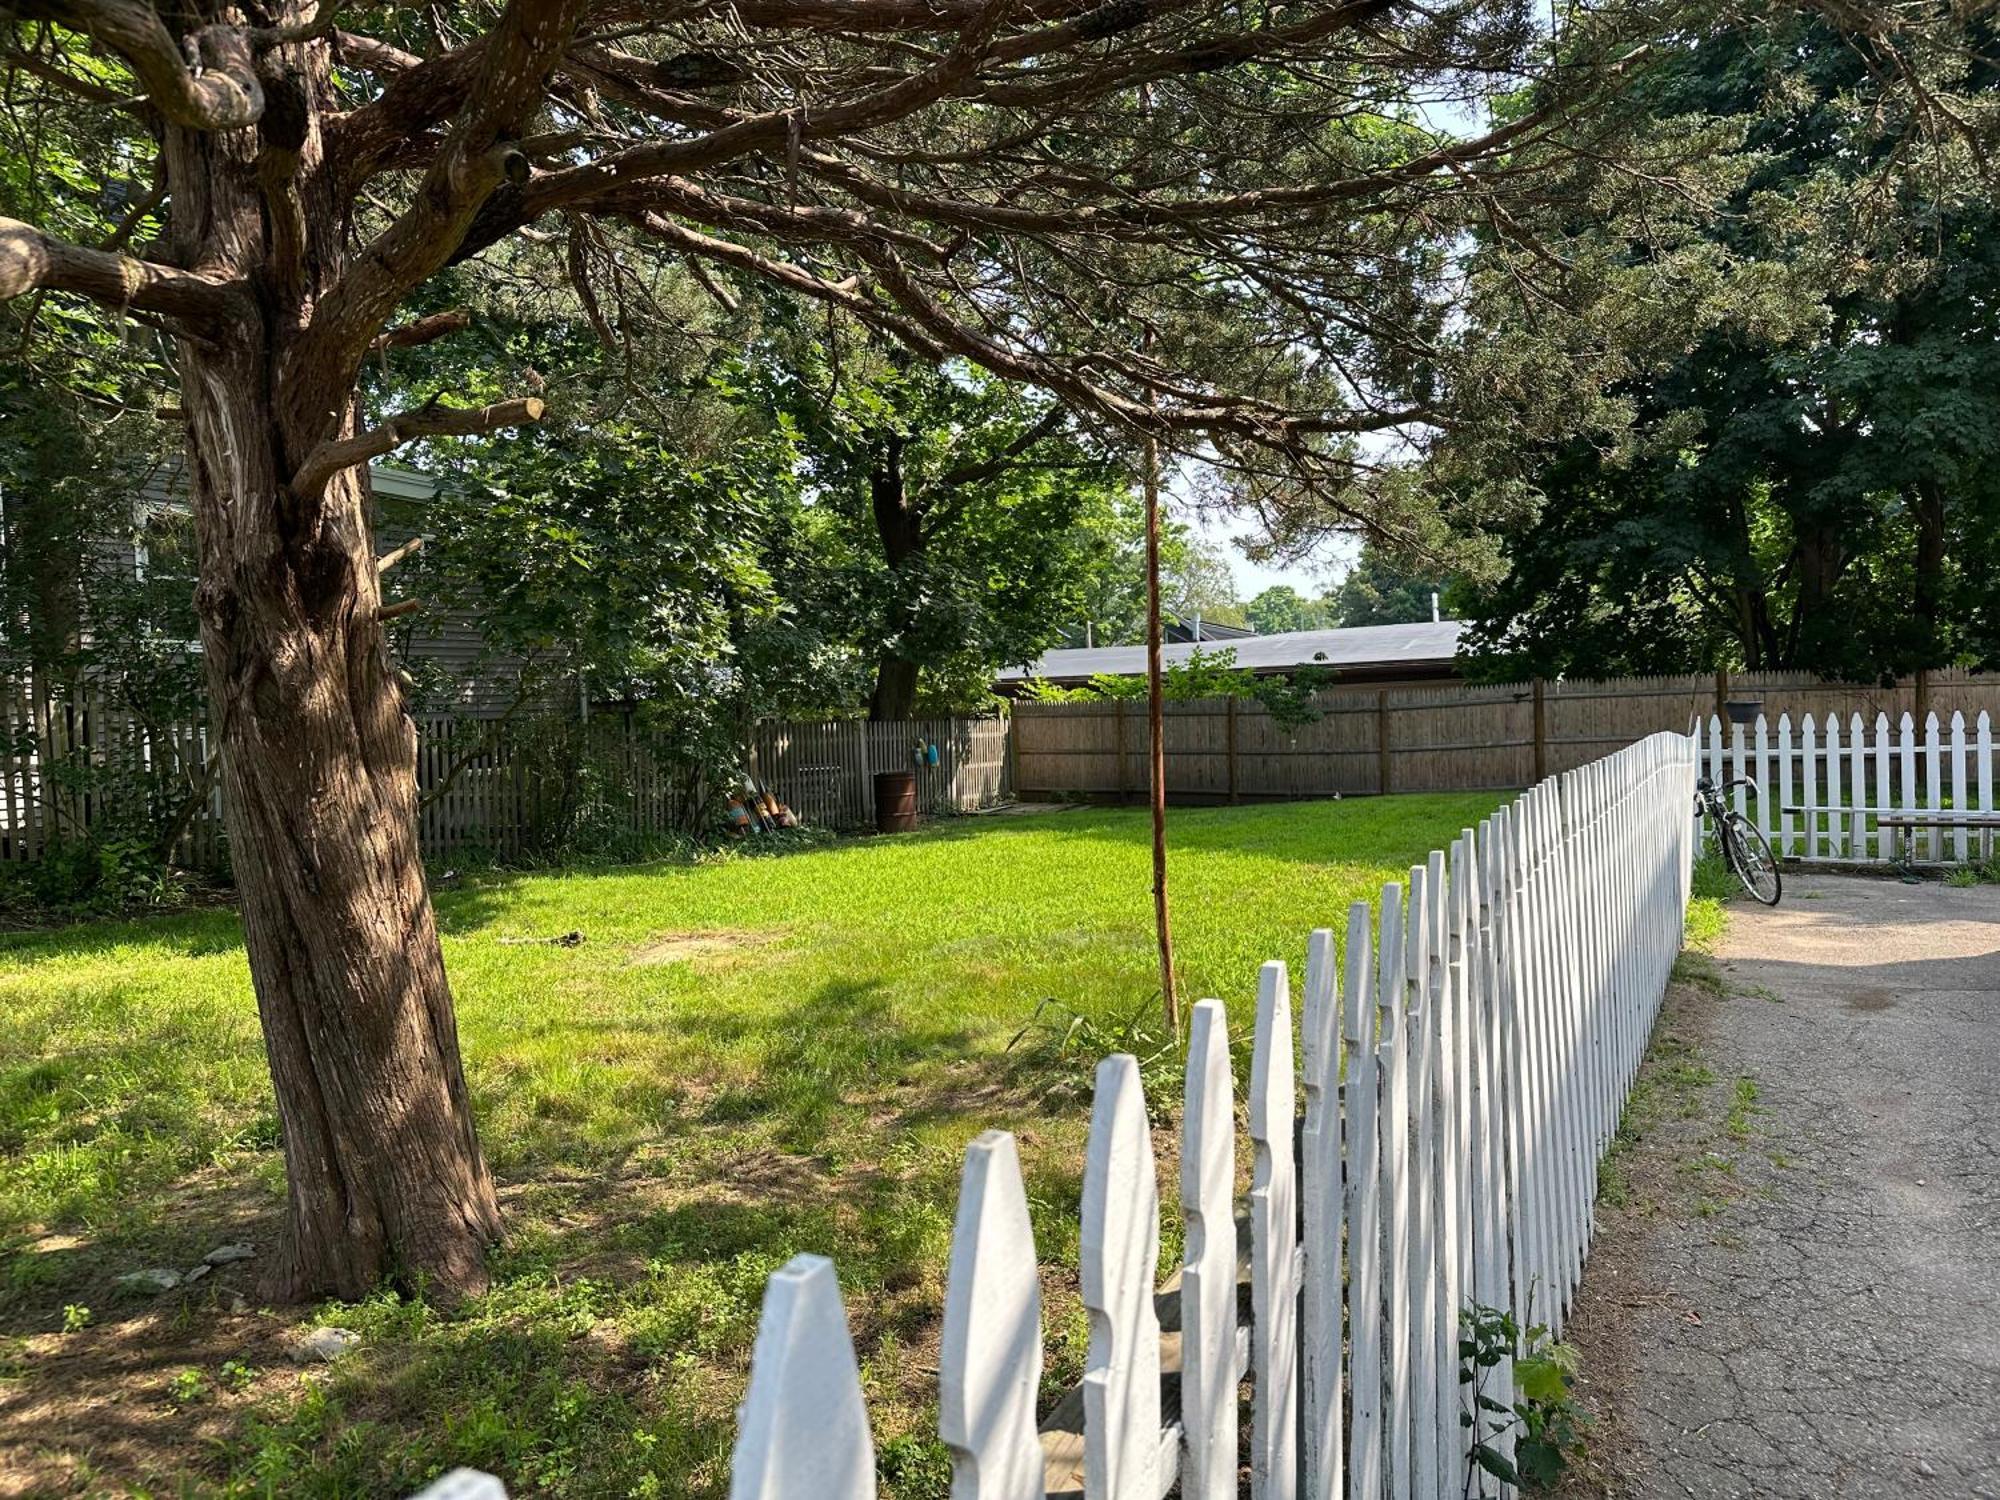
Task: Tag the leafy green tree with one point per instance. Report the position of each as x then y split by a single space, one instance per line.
1378 590
1197 581
960 522
1281 607
1804 476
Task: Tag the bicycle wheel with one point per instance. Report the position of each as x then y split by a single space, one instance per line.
1749 855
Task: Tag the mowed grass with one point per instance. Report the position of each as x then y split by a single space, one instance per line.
740 1060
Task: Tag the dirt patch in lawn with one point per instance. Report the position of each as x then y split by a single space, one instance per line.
715 942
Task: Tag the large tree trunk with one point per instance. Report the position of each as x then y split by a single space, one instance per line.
900 527
319 759
1928 600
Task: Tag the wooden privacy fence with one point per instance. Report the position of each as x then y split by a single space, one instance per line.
825 771
1462 1076
1448 737
87 765
1824 786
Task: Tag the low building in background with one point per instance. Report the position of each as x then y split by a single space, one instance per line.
1423 652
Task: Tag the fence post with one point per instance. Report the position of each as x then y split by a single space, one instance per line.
1124 787
1382 782
1229 752
1541 729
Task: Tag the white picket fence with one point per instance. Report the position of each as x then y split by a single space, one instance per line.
1463 1073
1849 776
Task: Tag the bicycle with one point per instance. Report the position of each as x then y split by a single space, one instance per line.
1744 848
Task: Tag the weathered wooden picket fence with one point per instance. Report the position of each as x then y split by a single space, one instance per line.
825 770
1464 1069
85 763
1845 776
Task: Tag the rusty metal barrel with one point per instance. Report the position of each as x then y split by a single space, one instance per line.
895 801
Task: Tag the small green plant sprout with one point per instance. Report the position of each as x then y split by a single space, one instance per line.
186 1387
76 1317
237 1375
1543 1423
1961 877
1056 1031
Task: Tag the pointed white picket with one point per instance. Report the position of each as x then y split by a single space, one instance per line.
1737 770
1274 1242
802 1433
1448 1160
463 1484
1984 759
1933 784
1836 797
1961 797
1360 1104
1761 774
1208 1272
1907 746
1391 988
1419 955
1322 1213
1883 753
1120 1255
1857 750
1786 848
990 1362
1815 798
1497 1115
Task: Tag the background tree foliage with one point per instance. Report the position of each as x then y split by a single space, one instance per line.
1795 460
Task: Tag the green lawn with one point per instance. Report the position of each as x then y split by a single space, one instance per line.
741 1060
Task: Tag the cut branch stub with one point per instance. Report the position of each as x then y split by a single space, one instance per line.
990 1360
329 458
803 1432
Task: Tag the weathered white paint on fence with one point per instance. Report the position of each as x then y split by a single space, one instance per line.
1822 793
1208 1272
1274 1297
464 1484
1322 1192
990 1357
1360 1101
1120 1251
1490 1040
803 1431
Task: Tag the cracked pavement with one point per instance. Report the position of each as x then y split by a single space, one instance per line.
1819 1315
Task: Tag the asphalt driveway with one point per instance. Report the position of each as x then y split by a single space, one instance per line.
1803 1298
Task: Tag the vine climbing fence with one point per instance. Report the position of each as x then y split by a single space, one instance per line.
1467 1050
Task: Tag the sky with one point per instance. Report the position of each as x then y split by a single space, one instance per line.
1311 578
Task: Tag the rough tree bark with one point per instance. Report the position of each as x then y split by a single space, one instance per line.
319 754
899 525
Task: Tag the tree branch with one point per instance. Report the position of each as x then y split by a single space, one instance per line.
510 84
329 458
30 259
222 94
395 555
422 330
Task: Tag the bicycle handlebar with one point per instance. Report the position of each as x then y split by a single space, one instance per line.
1704 786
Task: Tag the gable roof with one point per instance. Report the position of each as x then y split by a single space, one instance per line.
1423 647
